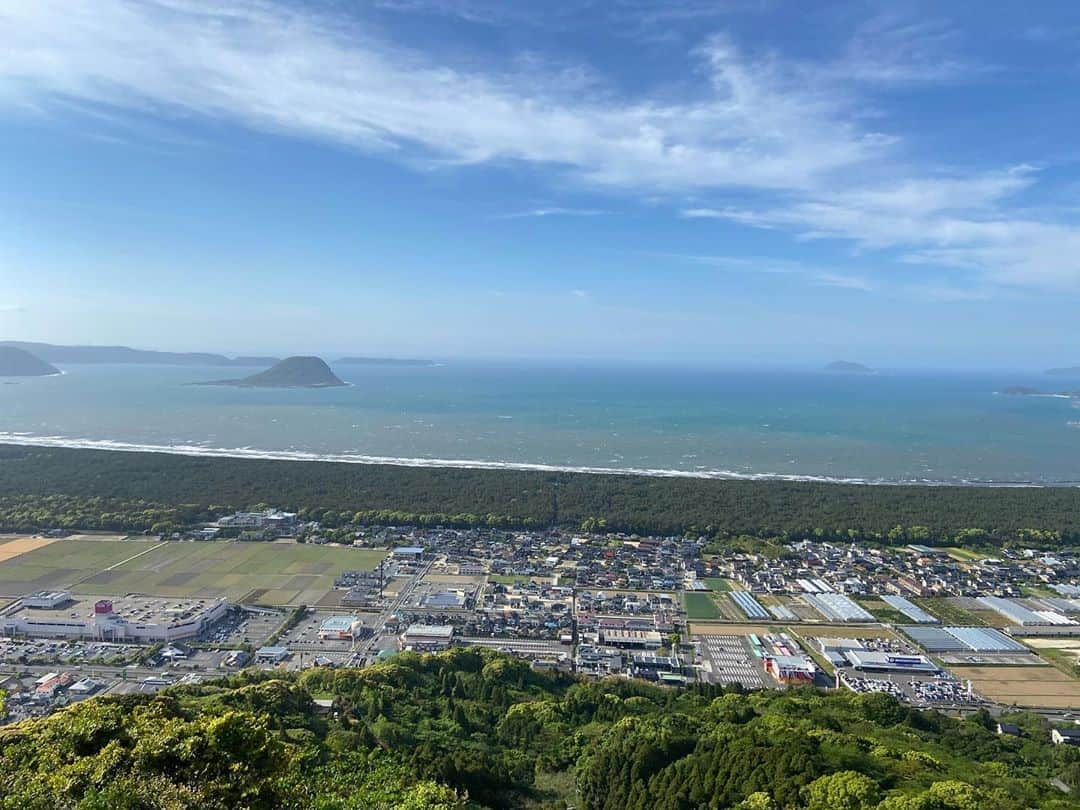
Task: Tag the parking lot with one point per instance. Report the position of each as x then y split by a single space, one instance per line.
244 627
304 637
32 651
928 691
728 660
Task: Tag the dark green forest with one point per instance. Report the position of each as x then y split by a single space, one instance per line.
53 487
470 728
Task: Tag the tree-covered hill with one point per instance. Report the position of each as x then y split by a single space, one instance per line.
470 728
138 490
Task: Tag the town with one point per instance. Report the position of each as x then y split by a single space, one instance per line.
950 628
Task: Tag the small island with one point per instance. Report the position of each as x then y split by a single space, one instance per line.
846 367
15 362
292 372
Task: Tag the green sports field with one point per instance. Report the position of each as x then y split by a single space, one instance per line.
270 573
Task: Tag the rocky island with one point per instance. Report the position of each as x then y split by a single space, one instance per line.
15 362
292 372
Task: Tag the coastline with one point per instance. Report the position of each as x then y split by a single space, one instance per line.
195 450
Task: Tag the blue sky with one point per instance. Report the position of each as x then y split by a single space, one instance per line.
735 181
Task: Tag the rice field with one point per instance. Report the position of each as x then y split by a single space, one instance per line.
270 573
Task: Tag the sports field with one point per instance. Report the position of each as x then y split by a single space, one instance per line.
268 573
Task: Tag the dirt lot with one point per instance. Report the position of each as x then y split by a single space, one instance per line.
704 629
14 546
1024 686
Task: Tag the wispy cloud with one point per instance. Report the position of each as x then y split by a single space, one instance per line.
749 124
554 212
844 282
754 139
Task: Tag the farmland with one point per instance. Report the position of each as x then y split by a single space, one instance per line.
270 573
1023 686
701 606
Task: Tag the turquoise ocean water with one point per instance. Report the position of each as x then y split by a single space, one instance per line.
887 427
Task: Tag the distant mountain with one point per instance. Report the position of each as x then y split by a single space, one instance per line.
292 372
16 362
122 354
1068 371
381 361
845 367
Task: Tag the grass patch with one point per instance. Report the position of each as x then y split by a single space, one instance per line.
717 584
508 579
701 606
964 554
949 612
883 612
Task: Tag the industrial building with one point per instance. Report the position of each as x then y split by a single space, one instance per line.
625 637
909 609
1022 615
750 606
271 655
340 628
427 637
46 600
837 607
937 640
135 619
874 661
791 669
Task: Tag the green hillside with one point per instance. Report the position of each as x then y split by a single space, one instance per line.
476 729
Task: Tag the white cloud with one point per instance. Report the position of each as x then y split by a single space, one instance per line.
554 212
791 136
749 124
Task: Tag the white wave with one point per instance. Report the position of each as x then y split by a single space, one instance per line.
478 464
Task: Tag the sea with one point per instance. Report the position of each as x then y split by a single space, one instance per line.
888 427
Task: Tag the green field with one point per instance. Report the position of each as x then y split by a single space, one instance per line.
272 573
701 606
717 584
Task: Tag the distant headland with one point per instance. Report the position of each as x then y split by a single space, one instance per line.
84 355
846 367
16 362
87 355
292 372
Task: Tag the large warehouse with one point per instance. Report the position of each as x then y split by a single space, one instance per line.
134 619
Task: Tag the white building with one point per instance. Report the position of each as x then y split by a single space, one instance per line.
47 600
138 620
